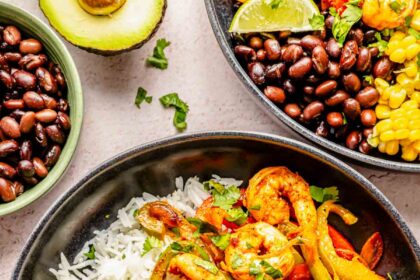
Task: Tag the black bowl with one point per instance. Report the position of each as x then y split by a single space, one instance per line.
220 13
153 168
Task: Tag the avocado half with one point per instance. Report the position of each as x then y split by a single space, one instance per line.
128 27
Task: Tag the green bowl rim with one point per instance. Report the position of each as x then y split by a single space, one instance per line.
17 15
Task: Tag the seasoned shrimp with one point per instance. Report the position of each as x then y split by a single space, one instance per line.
341 268
254 245
157 216
191 267
266 197
211 214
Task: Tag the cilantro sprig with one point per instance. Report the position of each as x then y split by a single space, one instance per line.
90 255
221 241
342 24
323 194
150 243
181 109
142 96
158 59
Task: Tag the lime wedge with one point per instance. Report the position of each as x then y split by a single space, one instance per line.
260 16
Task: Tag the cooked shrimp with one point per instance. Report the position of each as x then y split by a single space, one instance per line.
341 268
254 243
211 214
156 216
266 197
381 14
192 267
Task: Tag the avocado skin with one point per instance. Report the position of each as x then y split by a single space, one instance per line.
109 52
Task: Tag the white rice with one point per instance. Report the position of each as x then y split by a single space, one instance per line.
119 247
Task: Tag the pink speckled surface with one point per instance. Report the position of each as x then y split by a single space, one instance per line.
202 77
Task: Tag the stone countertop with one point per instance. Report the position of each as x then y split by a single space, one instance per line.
202 77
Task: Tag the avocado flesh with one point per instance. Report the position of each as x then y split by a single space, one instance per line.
127 28
101 7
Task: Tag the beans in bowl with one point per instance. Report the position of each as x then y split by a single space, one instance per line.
34 112
360 89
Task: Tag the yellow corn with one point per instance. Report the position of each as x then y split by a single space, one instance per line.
383 125
398 55
411 51
409 153
392 147
405 142
416 146
401 134
398 113
373 141
415 20
414 135
397 98
382 147
414 124
407 41
381 84
400 123
410 104
397 36
382 111
387 136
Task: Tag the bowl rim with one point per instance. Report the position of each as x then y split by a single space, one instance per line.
68 150
214 135
280 117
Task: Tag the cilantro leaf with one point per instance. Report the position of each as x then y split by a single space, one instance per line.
159 59
323 194
207 266
380 44
270 270
227 198
408 21
150 243
397 6
260 276
237 215
237 261
221 241
369 79
317 22
342 24
254 268
135 213
208 185
255 207
178 247
414 33
201 226
91 254
181 109
142 96
274 4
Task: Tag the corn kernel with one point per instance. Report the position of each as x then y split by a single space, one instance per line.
381 84
405 142
413 114
387 136
397 98
403 79
399 123
401 134
373 141
411 67
410 104
392 147
415 20
383 125
414 135
382 111
382 147
416 146
398 113
386 93
414 124
409 153
392 46
398 55
397 36
407 41
415 96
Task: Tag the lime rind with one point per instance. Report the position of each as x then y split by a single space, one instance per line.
259 16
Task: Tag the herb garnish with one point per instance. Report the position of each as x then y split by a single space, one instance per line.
414 33
323 194
207 265
270 270
221 241
181 109
91 254
150 243
237 261
158 59
135 213
317 22
142 96
178 247
254 268
397 6
237 215
342 24
255 207
224 197
380 44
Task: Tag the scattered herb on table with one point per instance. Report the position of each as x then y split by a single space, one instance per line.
181 109
91 254
323 194
158 59
142 96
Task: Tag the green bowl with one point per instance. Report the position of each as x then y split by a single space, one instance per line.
58 53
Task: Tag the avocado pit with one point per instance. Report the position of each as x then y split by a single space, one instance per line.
101 7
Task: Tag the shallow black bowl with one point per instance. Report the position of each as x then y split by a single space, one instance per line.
153 168
220 13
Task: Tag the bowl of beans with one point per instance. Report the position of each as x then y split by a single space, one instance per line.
41 108
358 97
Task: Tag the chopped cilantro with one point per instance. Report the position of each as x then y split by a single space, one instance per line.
344 119
408 21
332 11
207 266
158 59
255 207
380 44
150 243
274 4
221 241
254 268
135 213
260 276
178 247
237 261
323 194
208 185
176 231
181 109
369 79
203 254
249 245
342 24
142 96
91 254
414 33
270 270
227 198
237 215
201 225
397 6
317 22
